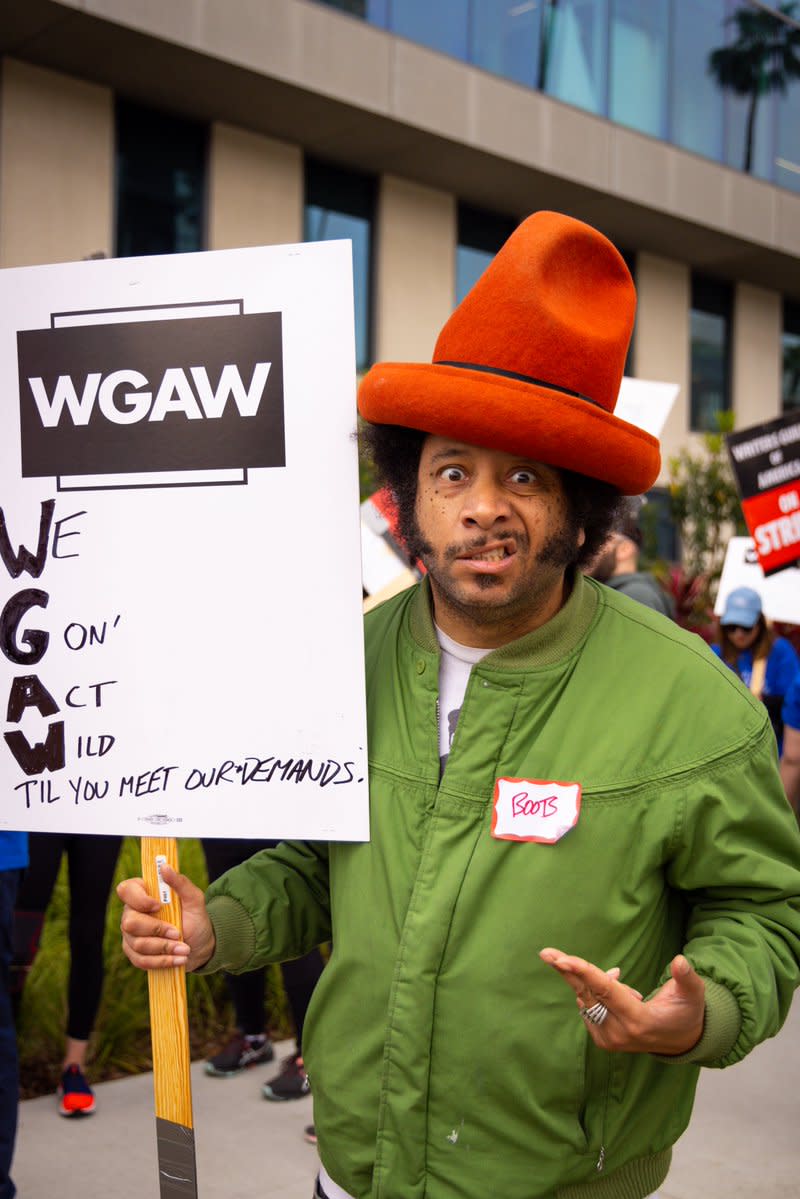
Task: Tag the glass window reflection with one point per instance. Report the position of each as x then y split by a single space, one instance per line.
160 182
710 321
787 156
638 75
441 25
505 38
696 101
574 52
341 204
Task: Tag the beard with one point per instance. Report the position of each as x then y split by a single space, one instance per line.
556 555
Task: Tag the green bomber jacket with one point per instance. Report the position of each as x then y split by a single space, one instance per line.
446 1059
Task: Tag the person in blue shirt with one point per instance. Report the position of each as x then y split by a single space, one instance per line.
13 860
766 664
790 758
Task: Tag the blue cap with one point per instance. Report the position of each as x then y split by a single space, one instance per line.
742 607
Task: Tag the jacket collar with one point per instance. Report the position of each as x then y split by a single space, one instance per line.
543 647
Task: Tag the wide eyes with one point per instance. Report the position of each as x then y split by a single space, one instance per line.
521 476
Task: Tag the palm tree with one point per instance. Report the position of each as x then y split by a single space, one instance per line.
762 59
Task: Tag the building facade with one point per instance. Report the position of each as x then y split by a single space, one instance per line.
424 132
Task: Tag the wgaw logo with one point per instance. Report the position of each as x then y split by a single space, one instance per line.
148 396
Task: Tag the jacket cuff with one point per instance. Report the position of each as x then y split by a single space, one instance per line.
235 936
721 1027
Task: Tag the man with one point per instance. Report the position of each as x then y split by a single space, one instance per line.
617 565
572 802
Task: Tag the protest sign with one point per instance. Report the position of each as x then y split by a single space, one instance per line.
181 606
780 593
766 465
646 403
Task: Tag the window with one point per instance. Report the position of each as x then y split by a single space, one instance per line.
660 538
696 101
575 52
161 166
341 204
710 320
791 355
638 73
441 25
480 236
505 38
787 160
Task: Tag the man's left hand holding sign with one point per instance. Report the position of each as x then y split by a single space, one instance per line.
150 943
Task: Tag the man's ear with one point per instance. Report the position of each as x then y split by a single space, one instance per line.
581 538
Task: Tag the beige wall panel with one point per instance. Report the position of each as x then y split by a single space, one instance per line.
56 167
788 227
576 147
640 167
430 91
255 190
661 350
698 189
751 207
415 269
757 326
507 118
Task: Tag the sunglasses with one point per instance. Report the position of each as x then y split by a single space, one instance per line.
738 628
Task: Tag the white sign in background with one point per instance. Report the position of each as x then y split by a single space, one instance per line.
203 642
780 593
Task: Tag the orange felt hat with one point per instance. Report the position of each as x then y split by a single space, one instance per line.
531 360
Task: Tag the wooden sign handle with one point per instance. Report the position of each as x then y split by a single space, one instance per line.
169 1029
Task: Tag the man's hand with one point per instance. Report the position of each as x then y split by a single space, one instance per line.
150 943
669 1023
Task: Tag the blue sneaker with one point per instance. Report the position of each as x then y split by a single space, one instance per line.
75 1096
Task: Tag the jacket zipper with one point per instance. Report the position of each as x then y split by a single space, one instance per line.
601 1160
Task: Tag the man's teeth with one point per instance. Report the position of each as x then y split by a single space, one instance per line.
490 555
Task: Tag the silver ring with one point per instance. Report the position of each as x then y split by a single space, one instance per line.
595 1014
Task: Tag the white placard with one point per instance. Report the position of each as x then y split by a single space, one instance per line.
184 643
645 403
780 593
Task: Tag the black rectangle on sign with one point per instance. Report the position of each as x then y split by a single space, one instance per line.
143 396
766 455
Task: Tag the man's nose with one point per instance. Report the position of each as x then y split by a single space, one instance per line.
485 504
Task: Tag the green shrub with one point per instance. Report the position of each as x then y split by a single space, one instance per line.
121 1039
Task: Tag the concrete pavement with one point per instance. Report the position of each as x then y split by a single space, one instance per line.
742 1144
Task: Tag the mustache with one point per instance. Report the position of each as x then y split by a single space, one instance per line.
452 552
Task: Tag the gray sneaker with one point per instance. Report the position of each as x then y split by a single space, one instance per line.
291 1083
239 1054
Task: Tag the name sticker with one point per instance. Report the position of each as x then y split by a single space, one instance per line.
534 810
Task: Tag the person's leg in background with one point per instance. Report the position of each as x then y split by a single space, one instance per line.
250 1045
92 861
9 1069
299 979
33 897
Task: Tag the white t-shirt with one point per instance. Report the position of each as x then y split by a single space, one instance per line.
454 669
